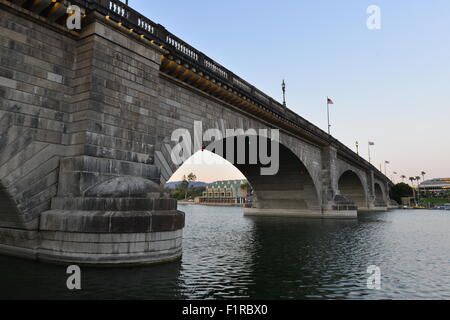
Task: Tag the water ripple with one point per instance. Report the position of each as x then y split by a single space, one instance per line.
228 256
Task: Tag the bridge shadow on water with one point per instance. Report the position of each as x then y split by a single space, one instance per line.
24 279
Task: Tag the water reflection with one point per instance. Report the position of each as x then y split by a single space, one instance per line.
227 255
23 279
304 257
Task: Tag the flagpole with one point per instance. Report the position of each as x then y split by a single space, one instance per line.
328 115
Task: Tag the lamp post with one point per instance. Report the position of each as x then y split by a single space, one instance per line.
385 165
357 147
283 87
329 101
370 143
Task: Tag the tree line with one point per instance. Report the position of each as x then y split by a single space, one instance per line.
184 190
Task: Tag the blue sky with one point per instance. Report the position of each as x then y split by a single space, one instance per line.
390 86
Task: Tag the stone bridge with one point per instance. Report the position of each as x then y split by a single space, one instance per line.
86 119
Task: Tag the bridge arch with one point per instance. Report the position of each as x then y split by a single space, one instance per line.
379 191
351 185
381 198
292 187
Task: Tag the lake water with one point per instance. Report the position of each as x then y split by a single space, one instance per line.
227 255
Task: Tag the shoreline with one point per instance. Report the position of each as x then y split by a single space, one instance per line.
212 204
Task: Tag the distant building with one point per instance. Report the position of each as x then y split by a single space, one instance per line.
408 201
225 192
436 186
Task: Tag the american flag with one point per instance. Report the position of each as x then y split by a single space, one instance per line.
329 101
371 143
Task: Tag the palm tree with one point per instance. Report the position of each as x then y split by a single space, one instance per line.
190 178
245 187
418 187
423 173
414 190
403 177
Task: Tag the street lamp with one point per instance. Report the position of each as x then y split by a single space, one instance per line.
357 149
283 87
329 101
368 147
385 164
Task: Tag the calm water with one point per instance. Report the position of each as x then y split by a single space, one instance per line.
227 255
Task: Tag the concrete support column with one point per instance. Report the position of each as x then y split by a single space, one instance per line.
333 204
110 212
329 183
374 204
391 204
96 195
110 208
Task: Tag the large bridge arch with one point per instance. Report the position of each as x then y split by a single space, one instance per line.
351 185
291 187
381 194
213 114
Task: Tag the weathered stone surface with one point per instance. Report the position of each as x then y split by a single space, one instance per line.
121 187
113 204
82 173
111 221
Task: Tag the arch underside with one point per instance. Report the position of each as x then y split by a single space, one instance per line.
380 200
290 188
350 186
378 191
